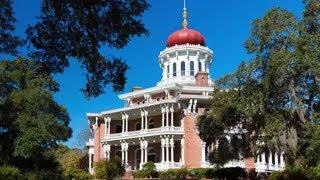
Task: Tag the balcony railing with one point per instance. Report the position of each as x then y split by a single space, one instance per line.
145 132
166 166
90 142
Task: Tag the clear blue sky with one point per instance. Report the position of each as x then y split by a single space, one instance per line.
225 25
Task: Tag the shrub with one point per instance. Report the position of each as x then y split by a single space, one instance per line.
109 169
230 173
296 173
169 174
139 174
149 169
200 173
174 174
9 172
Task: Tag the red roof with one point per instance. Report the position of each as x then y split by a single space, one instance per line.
185 36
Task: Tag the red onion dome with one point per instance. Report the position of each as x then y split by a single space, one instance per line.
185 36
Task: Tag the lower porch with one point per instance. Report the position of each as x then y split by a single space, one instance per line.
165 151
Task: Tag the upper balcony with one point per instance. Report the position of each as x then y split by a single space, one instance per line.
145 133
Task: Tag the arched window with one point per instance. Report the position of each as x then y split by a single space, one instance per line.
191 68
118 128
183 68
151 124
174 69
138 126
168 71
200 66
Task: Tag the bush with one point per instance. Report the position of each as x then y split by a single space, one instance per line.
169 174
200 173
296 173
149 169
174 174
9 172
139 174
109 169
43 175
230 173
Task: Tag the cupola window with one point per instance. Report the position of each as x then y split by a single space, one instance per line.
183 68
174 69
168 71
191 68
200 66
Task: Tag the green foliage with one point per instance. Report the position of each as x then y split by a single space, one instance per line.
139 174
273 100
79 29
297 173
149 169
230 173
8 42
31 122
71 162
9 172
109 169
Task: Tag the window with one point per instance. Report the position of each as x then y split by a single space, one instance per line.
118 128
191 68
138 126
200 66
183 68
174 69
168 71
152 155
151 124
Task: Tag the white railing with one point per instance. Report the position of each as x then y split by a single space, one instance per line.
168 165
144 133
90 142
260 167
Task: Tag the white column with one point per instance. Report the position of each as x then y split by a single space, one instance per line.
146 151
172 149
196 65
109 126
146 119
123 122
90 162
105 126
203 65
122 154
187 67
127 119
276 159
97 122
167 150
263 158
107 149
126 153
182 151
167 115
282 163
172 110
164 75
142 152
163 111
203 152
163 144
142 120
270 158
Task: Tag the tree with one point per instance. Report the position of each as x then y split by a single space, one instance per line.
31 122
273 100
109 169
78 29
8 41
71 162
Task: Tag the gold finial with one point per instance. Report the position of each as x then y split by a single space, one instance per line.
185 15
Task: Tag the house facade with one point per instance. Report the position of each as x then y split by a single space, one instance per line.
159 123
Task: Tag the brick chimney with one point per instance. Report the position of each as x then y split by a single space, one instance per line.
202 79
